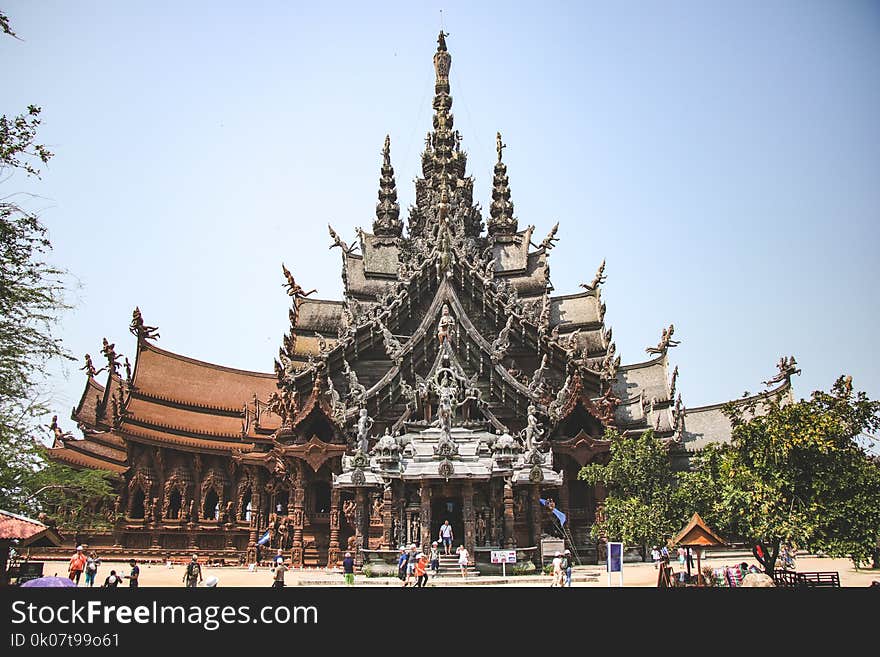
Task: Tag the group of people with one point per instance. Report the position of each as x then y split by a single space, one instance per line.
413 564
561 569
81 563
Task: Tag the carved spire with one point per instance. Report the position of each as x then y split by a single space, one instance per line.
501 210
388 221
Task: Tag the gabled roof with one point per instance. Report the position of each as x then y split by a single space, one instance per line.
697 533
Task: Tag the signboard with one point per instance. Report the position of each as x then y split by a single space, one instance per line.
615 561
503 556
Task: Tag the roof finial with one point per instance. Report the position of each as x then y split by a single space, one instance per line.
502 221
387 221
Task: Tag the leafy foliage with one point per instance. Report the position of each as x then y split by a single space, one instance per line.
31 301
640 485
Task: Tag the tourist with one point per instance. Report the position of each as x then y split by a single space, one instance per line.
278 579
348 569
566 567
557 570
463 559
681 556
655 557
411 564
401 565
435 559
77 564
133 577
112 580
421 569
193 574
92 564
664 553
278 558
446 536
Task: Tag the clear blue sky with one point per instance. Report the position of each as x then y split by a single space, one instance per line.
723 157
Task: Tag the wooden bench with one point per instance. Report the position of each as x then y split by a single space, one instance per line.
819 580
788 579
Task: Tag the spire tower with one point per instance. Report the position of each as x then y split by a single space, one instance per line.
502 221
387 223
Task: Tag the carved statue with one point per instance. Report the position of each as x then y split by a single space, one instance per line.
337 241
502 343
127 370
110 354
356 391
537 382
787 368
551 239
441 40
665 343
332 395
598 279
674 379
533 431
561 398
89 369
364 424
392 345
293 289
191 511
445 326
141 330
423 390
157 510
229 516
444 414
498 145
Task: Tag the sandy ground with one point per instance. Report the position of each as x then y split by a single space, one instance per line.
634 575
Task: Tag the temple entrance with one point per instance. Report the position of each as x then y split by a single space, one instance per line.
447 508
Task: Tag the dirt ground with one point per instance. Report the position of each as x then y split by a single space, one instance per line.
634 574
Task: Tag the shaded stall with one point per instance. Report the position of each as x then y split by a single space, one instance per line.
697 534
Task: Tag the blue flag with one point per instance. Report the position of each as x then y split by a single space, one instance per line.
556 512
264 538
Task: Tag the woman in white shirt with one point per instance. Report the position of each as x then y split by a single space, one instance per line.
462 559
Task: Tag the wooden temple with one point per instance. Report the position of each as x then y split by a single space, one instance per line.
447 384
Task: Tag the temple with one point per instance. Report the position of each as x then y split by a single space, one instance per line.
447 384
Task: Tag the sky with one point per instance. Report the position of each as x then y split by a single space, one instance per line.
724 158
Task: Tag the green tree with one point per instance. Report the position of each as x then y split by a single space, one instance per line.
32 299
797 472
639 482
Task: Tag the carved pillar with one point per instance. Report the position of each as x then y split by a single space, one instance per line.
387 519
197 488
334 549
509 533
492 529
361 527
299 496
425 519
535 513
256 497
467 494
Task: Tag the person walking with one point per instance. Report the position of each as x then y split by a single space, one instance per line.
77 564
411 565
446 536
463 559
92 564
681 556
556 580
435 559
278 577
278 558
402 560
655 557
348 569
134 575
421 569
566 567
193 574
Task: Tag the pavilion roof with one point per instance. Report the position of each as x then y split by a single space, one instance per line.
698 534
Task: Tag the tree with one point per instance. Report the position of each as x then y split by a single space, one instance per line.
31 302
640 483
797 472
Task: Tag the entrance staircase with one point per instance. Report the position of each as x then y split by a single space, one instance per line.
449 567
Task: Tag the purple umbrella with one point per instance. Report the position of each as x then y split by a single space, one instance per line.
49 582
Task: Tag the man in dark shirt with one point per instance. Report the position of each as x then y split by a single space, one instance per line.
348 568
112 580
135 573
193 574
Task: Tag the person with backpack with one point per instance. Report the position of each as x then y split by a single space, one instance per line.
193 574
112 580
402 562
